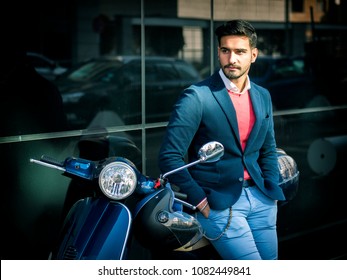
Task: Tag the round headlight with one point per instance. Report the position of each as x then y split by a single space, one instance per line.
117 180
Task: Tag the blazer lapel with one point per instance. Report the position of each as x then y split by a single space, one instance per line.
257 109
221 94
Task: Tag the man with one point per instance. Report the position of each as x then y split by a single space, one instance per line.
236 196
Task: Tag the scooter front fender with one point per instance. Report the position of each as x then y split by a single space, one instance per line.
94 229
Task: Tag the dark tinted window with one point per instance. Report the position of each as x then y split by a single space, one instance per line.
259 68
298 6
166 72
186 71
88 71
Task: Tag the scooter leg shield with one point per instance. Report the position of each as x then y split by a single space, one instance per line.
95 229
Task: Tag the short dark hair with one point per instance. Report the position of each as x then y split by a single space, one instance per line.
237 27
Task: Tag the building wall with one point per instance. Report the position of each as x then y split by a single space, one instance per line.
267 10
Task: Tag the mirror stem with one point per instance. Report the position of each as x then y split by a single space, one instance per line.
180 168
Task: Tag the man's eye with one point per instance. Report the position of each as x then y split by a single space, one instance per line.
225 51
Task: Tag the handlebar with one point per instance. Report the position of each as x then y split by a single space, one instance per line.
60 165
180 197
49 162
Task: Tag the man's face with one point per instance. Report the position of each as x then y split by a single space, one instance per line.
236 56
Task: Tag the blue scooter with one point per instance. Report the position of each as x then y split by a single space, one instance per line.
124 210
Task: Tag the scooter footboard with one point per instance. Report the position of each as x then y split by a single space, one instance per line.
94 229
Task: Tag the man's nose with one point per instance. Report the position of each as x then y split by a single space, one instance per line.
232 58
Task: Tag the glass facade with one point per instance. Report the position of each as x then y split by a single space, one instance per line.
119 66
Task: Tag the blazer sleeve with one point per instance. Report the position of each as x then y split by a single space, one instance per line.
183 124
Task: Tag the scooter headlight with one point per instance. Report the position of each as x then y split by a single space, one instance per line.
117 180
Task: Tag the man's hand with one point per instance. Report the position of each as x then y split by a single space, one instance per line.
204 208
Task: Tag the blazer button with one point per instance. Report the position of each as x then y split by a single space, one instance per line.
240 179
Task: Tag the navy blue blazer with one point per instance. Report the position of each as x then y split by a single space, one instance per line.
204 112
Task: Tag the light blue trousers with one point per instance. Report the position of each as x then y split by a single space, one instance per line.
252 233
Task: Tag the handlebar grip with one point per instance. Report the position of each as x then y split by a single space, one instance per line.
180 195
51 160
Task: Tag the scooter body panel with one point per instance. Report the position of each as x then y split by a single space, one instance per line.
95 229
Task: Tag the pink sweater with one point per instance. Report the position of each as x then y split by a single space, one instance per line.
245 118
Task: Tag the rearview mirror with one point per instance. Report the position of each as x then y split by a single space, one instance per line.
211 152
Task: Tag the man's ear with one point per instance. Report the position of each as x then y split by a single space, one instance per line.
254 54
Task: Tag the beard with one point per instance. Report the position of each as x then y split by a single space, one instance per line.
233 75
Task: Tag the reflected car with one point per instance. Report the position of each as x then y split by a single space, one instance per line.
107 91
290 83
45 66
287 78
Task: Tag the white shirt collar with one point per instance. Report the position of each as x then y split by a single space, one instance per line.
231 86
